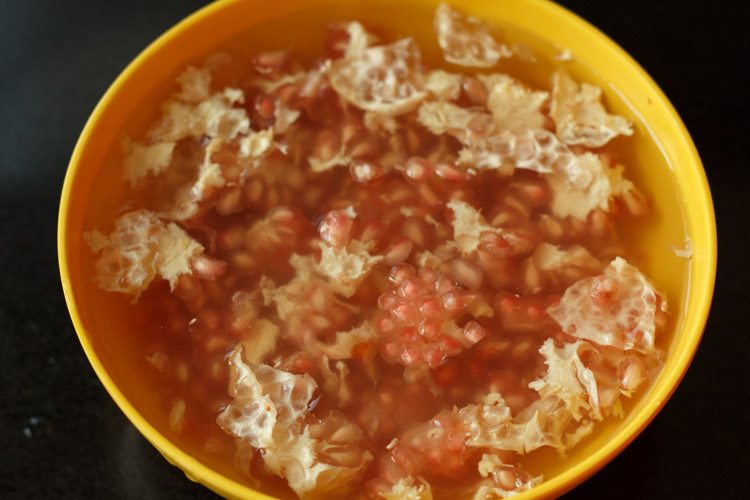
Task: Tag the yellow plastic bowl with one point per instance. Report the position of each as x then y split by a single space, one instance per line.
660 157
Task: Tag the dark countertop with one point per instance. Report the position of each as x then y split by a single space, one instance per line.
60 433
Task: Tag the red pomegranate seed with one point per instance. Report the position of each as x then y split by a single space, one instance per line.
386 325
304 364
429 329
494 244
418 169
414 229
209 268
492 349
450 172
410 334
391 349
326 145
444 285
411 355
522 313
373 231
387 301
534 193
434 355
474 332
467 273
635 203
431 308
428 275
407 313
265 106
270 60
410 288
474 90
399 252
365 171
452 302
451 345
336 228
401 272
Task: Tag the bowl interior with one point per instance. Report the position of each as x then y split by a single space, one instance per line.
660 158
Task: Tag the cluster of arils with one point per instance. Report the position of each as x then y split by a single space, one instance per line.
417 318
435 449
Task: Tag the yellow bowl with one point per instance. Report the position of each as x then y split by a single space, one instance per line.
661 158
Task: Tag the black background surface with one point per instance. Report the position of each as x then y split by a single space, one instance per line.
60 433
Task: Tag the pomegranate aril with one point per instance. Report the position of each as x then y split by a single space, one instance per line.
387 301
286 93
522 314
253 192
265 106
209 268
467 273
230 201
452 302
431 308
414 229
635 203
188 288
435 457
532 277
434 355
267 61
450 172
492 349
399 252
326 145
406 312
430 330
428 275
633 374
401 272
494 245
534 193
410 334
410 288
349 131
373 231
365 171
428 196
390 350
387 325
551 228
336 228
451 345
411 354
444 285
365 148
418 169
599 223
474 332
506 479
522 350
474 91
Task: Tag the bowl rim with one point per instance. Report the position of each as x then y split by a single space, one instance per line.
557 485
